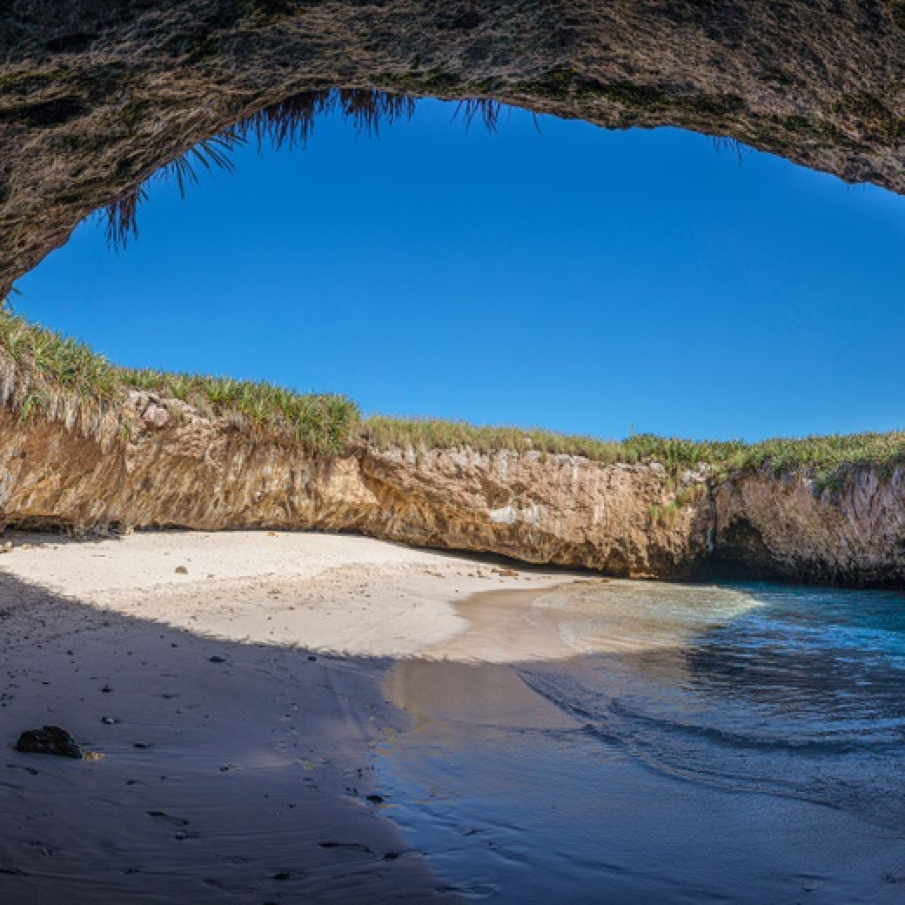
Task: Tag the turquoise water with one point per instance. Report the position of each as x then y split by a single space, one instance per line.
735 744
802 695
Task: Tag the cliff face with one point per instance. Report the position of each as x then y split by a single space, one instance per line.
783 527
554 509
181 469
96 95
176 468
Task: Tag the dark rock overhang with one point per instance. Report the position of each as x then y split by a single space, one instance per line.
95 95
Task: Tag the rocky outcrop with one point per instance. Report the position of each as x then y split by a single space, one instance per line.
785 527
562 509
173 467
50 740
96 95
169 466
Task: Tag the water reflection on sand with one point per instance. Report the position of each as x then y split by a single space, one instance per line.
635 742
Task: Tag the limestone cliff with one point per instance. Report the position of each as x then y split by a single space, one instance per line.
785 527
173 467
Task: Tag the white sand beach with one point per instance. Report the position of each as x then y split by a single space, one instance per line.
232 683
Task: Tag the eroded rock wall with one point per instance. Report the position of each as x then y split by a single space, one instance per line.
173 467
786 527
194 472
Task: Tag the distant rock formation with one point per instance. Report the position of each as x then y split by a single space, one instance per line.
186 470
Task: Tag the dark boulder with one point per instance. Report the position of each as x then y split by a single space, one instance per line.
49 740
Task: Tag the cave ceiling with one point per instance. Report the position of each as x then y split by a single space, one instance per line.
96 95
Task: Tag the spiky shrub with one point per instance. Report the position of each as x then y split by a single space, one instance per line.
665 515
830 459
434 433
44 374
321 422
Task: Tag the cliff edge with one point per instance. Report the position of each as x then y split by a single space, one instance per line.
165 464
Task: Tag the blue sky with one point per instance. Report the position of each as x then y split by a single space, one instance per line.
573 278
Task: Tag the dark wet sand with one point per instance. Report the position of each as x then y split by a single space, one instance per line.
515 800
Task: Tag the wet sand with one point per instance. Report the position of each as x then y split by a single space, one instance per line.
515 799
232 683
311 718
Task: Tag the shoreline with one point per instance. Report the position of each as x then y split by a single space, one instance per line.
294 718
520 782
236 704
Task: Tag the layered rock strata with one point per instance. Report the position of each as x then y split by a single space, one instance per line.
175 468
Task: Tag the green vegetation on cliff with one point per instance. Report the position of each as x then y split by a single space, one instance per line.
430 433
44 374
827 458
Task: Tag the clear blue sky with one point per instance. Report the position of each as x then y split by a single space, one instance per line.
577 279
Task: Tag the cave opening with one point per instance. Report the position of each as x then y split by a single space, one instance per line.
478 262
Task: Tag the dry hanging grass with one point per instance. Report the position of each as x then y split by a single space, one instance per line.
289 123
208 155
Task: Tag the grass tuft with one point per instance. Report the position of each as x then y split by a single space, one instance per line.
45 374
482 108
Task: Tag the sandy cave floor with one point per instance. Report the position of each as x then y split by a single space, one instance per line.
232 682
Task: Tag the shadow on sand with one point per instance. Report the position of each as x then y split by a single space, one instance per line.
230 772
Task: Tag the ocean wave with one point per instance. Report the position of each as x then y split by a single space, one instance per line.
776 690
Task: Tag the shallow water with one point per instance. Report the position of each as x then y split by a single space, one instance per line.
697 744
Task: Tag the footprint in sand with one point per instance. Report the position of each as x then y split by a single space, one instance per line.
230 888
167 818
348 847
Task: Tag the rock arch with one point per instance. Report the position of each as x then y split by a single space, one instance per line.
96 94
